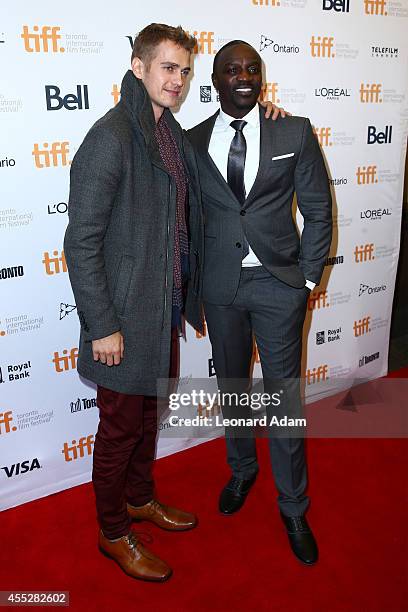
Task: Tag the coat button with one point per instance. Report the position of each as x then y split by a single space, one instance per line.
243 213
238 245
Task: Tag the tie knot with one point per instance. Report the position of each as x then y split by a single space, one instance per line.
238 124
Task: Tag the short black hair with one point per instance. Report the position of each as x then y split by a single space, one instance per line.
232 43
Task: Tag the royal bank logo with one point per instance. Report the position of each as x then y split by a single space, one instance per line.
318 300
13 272
366 175
364 252
16 372
54 155
370 93
7 162
361 327
65 362
276 47
270 92
375 214
44 39
65 310
384 52
6 420
17 469
378 137
375 7
338 6
322 46
206 94
365 359
368 290
78 450
54 101
332 93
317 374
55 264
332 335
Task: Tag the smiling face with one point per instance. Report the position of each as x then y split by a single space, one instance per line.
165 76
238 79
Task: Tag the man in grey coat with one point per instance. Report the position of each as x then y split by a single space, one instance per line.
134 239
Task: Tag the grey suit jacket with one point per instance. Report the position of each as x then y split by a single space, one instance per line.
266 217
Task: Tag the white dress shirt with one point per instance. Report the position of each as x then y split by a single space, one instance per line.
219 147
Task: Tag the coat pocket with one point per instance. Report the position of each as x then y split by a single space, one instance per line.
124 276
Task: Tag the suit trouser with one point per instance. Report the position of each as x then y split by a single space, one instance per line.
274 313
124 451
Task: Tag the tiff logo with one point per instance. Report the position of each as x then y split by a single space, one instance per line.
77 449
322 46
52 264
366 176
375 7
361 327
6 418
41 41
318 300
370 93
270 92
266 2
205 42
317 374
68 360
115 93
55 102
364 252
58 154
323 135
339 6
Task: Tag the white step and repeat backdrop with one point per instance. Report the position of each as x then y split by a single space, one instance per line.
343 63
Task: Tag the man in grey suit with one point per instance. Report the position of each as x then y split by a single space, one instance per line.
134 238
257 272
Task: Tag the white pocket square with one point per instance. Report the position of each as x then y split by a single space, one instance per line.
282 156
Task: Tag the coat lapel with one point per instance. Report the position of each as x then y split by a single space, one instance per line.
267 131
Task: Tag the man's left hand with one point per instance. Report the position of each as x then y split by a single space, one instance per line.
272 109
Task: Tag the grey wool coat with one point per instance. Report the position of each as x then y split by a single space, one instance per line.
119 244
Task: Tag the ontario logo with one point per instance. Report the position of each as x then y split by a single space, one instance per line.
276 47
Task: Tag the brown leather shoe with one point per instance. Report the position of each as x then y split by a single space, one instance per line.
134 559
163 516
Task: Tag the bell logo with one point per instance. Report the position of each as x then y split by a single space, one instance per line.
55 264
79 101
269 91
205 42
375 7
317 300
322 46
44 158
339 6
317 374
77 449
361 327
266 2
370 93
17 469
46 42
6 418
115 93
68 360
323 135
375 137
364 252
366 175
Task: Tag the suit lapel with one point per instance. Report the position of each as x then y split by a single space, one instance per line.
265 154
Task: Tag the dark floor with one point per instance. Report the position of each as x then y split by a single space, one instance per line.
398 354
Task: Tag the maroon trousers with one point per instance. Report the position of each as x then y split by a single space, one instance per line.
124 450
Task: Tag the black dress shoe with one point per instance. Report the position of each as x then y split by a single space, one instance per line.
301 538
234 494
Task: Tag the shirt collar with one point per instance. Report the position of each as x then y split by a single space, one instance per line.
252 118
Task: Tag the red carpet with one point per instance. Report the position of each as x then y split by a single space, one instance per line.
241 563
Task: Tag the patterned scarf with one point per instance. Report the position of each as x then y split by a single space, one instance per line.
171 158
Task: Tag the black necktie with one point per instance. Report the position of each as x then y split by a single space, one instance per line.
236 167
236 161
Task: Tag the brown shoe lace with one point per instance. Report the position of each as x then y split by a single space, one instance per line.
154 506
142 537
